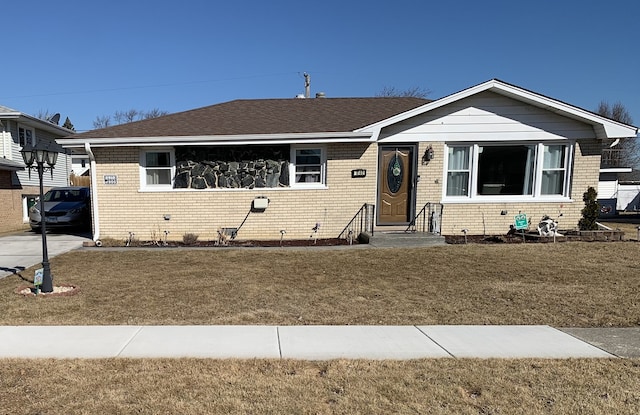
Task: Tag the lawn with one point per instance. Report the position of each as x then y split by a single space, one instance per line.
563 284
429 386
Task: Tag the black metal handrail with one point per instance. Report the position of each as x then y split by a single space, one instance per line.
361 222
427 220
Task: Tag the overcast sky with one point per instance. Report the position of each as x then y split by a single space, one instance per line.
85 59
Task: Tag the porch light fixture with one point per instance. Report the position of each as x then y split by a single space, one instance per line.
35 158
428 155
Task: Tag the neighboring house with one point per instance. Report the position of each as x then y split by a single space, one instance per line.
17 190
301 168
619 192
618 186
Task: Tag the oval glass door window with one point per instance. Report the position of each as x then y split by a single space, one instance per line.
395 172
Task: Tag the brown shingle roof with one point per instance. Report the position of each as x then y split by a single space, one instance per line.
265 116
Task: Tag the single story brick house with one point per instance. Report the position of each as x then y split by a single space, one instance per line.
306 167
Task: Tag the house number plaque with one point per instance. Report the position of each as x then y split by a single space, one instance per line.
110 179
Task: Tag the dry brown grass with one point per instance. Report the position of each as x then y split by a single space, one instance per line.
630 229
564 284
568 284
438 386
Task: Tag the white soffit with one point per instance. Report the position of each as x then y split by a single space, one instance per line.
603 127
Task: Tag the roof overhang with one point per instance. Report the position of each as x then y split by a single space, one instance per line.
10 165
603 127
217 140
35 122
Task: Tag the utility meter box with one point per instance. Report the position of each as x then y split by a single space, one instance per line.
260 203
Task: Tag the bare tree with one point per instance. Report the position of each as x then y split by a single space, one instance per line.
630 148
392 91
123 117
617 112
154 113
44 114
102 121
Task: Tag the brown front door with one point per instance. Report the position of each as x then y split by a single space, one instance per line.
394 185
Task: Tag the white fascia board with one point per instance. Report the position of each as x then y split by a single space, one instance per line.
617 170
38 123
291 138
603 127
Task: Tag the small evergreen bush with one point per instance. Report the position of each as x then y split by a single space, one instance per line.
590 210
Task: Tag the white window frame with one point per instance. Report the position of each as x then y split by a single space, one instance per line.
143 168
469 170
22 142
293 183
537 195
566 162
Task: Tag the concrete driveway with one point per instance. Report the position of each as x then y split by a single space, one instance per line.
21 250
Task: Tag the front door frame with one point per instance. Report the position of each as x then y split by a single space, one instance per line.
412 184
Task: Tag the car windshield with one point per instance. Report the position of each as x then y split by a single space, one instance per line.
64 195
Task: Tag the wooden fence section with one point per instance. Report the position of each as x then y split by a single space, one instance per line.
84 181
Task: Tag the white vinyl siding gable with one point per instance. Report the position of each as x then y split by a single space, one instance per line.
487 117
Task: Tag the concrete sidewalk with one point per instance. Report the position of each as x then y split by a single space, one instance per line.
293 342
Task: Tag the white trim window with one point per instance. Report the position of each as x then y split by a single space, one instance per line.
458 170
308 166
157 168
554 170
505 172
26 135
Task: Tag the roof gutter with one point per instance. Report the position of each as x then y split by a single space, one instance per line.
94 193
212 140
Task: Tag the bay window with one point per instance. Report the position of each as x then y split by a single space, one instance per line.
497 171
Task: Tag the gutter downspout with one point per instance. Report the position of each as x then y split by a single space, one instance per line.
94 193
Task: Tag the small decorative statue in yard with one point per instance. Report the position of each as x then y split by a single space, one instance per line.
548 227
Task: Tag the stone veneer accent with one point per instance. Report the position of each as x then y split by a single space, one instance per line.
245 167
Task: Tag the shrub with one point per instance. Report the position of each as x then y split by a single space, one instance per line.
590 210
189 238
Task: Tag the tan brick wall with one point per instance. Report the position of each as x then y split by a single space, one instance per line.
11 215
123 208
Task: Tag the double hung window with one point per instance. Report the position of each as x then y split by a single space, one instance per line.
158 168
308 166
553 170
26 136
458 173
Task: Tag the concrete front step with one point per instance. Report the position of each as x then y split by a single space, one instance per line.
391 239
